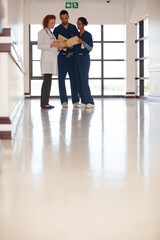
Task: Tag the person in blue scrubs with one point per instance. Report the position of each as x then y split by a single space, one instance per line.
66 60
82 64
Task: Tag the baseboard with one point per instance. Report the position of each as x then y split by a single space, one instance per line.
154 67
16 115
5 128
27 95
8 125
154 97
130 95
5 135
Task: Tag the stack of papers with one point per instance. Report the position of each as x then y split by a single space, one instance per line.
65 42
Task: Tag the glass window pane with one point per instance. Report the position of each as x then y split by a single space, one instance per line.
36 70
146 48
114 87
146 72
114 33
114 50
36 87
37 84
96 51
137 50
68 87
95 69
95 86
137 87
137 31
146 27
137 69
95 30
34 29
146 87
114 69
36 53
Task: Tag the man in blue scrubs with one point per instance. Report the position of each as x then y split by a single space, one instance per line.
66 60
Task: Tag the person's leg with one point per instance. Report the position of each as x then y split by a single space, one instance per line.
78 80
72 76
84 65
62 71
46 88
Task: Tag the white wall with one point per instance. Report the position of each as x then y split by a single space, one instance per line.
11 78
15 21
154 47
138 10
96 13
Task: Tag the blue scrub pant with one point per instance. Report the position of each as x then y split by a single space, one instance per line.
82 64
66 64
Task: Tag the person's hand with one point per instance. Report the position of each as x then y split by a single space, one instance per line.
60 48
65 47
81 41
55 43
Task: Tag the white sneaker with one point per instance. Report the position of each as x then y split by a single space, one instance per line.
89 106
76 104
81 105
65 105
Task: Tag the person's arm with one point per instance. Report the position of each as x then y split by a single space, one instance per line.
89 48
89 44
41 45
86 45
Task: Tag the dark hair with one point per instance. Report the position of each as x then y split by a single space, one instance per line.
83 20
63 12
46 20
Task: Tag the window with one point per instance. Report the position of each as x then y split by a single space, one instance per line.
107 55
142 58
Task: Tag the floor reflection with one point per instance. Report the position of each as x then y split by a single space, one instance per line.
76 174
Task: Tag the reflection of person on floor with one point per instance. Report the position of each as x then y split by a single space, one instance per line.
49 51
66 60
74 126
82 63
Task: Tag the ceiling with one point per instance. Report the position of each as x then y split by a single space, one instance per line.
111 1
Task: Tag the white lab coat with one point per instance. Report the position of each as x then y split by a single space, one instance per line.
48 54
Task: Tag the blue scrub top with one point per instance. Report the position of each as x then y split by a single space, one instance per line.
87 38
70 32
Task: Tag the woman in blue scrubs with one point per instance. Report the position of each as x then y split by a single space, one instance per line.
82 64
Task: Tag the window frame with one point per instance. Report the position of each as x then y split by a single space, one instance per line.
102 60
140 39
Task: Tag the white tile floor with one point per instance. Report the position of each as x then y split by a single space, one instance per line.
78 175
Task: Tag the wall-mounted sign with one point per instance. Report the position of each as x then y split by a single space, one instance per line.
71 4
68 5
75 5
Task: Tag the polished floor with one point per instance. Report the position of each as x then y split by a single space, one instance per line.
73 174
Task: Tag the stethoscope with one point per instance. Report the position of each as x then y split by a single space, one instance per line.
50 34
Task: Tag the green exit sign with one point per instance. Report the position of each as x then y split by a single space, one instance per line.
68 5
71 4
75 5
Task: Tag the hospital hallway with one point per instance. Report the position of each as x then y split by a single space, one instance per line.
76 174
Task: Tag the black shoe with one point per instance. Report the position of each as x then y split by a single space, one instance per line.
48 107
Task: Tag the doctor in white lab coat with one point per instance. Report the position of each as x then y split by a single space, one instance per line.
49 51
